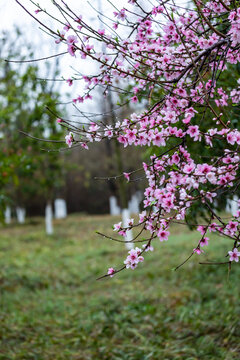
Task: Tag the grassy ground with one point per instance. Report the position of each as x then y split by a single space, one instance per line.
51 306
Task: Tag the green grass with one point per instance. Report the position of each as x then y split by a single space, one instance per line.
52 307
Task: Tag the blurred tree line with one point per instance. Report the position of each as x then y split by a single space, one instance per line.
35 172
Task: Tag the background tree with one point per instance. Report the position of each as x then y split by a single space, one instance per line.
33 172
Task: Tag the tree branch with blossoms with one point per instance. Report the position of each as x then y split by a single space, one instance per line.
170 59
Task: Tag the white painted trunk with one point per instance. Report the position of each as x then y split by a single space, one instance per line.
7 215
48 219
60 208
133 204
21 213
234 205
114 208
129 234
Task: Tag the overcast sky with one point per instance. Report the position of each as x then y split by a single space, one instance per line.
12 14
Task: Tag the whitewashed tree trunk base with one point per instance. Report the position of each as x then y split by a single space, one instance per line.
114 208
129 234
60 209
7 215
48 219
21 213
133 204
232 205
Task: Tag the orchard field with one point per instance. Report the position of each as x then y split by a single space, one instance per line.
52 307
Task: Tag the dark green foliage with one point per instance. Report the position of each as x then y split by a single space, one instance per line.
27 170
